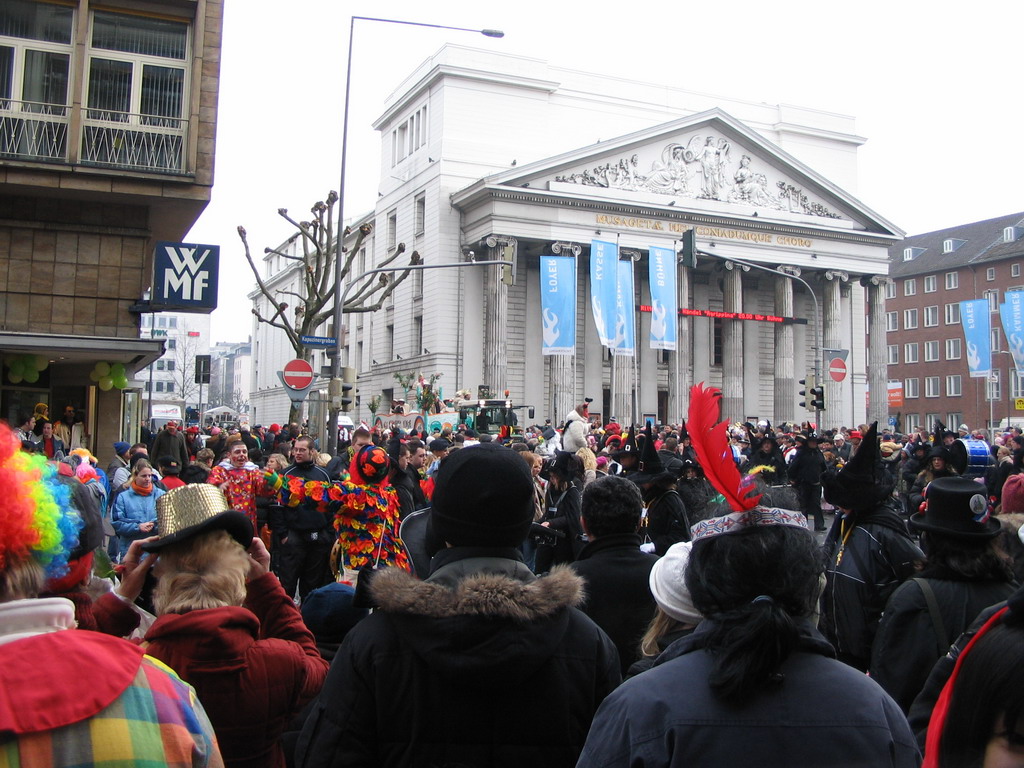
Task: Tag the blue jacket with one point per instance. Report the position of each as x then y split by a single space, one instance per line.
130 511
822 713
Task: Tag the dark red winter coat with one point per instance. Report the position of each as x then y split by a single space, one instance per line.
253 667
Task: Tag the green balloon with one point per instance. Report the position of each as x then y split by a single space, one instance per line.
121 382
94 376
14 378
42 362
17 366
106 383
117 369
29 362
103 369
31 376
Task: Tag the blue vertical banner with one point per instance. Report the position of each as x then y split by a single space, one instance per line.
603 278
1012 314
624 339
664 309
558 304
974 315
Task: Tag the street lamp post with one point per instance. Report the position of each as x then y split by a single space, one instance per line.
339 260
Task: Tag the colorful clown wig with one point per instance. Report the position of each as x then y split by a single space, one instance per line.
37 520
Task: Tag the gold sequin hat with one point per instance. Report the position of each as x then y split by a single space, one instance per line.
192 509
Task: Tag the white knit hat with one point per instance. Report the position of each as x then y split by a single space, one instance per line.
668 584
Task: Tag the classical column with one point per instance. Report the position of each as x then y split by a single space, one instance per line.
832 317
562 368
496 314
679 361
623 366
732 344
784 399
878 359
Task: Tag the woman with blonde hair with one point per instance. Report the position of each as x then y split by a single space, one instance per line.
134 510
227 627
589 465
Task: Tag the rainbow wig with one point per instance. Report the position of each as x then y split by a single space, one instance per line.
36 517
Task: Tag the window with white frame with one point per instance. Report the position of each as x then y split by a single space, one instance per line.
931 386
890 290
953 349
931 351
955 417
909 421
995 338
136 85
910 353
954 386
893 351
994 385
409 136
910 319
892 321
1015 270
910 287
931 284
952 280
1016 384
911 388
392 230
990 274
953 313
992 297
931 418
931 316
419 214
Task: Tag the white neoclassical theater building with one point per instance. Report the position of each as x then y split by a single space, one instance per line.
485 155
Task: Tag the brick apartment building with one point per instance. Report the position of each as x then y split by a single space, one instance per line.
107 121
931 274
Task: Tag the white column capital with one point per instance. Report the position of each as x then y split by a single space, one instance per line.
836 274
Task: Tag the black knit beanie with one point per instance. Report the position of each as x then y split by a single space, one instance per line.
483 497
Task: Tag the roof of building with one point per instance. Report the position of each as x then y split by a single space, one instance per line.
983 241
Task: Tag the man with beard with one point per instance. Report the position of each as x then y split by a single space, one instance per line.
170 442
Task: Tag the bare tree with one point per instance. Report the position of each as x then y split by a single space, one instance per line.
313 305
185 350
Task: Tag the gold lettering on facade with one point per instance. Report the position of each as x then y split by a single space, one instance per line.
720 233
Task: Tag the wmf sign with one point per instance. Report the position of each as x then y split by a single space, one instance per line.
185 277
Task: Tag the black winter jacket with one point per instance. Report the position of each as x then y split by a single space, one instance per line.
482 664
619 599
667 523
807 466
822 713
907 646
861 575
305 517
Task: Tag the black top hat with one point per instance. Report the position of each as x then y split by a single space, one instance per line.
958 507
862 482
192 509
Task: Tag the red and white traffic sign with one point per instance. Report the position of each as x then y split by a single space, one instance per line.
837 369
297 374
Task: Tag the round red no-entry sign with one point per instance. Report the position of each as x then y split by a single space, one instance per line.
298 374
837 369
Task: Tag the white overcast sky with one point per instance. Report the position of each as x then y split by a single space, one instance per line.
934 87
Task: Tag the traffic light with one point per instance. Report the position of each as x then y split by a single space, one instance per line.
807 393
817 398
349 392
689 252
202 367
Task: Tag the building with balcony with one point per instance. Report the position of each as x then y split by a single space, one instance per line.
926 352
107 122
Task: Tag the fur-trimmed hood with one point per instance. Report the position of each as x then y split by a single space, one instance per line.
489 593
492 623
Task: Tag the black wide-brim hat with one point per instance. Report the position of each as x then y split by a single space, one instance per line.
957 507
651 468
193 509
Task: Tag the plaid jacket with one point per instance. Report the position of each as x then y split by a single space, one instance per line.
155 721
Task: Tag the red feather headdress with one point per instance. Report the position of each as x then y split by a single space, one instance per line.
711 443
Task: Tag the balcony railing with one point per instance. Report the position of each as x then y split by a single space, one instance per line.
140 142
39 132
30 130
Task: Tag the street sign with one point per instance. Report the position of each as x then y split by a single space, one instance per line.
318 341
837 369
297 374
1018 404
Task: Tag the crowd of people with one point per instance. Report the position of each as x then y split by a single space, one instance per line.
700 593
